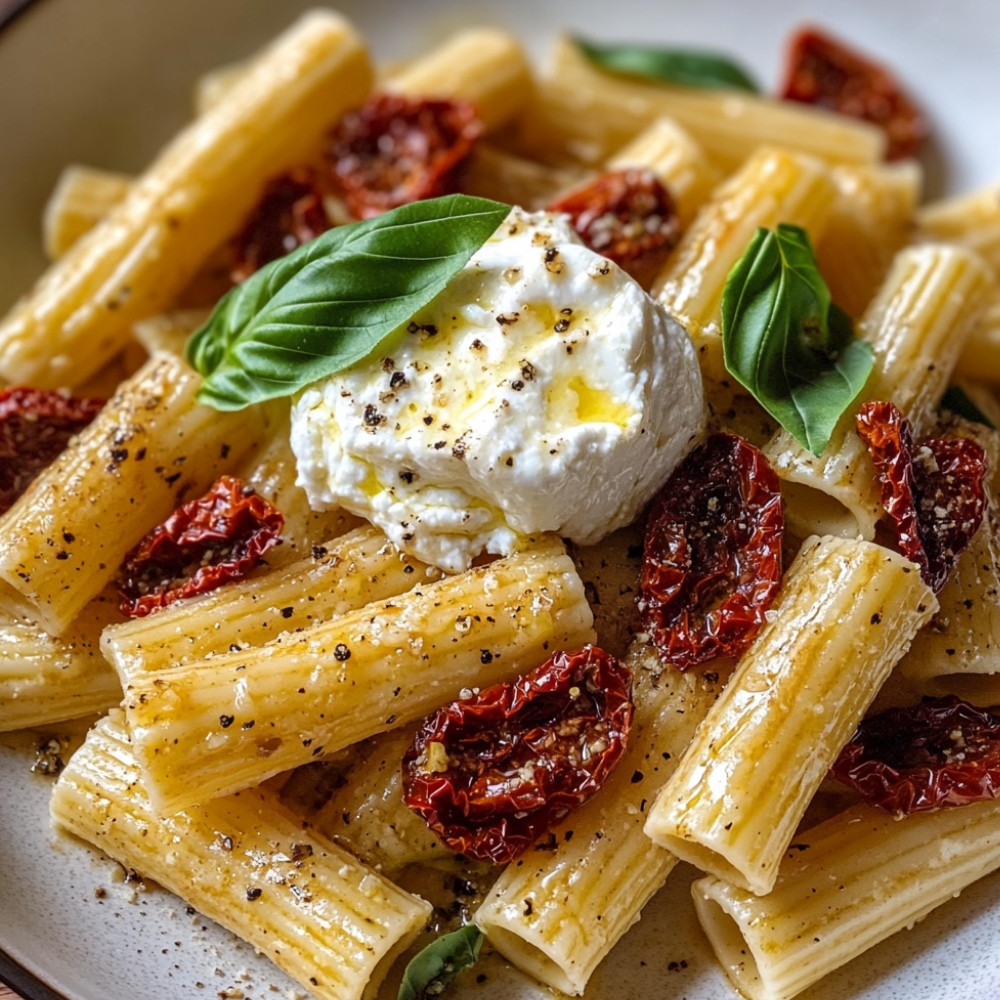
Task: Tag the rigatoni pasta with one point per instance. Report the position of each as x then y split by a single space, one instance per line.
318 912
81 198
151 447
600 857
851 882
868 225
846 613
366 813
47 679
486 66
194 196
207 728
305 680
338 577
594 113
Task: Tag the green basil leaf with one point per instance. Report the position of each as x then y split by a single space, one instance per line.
438 964
786 342
333 300
957 400
685 67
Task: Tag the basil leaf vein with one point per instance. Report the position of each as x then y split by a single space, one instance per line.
439 963
684 67
332 301
786 342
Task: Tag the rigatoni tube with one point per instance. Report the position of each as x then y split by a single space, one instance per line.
595 113
917 324
484 65
212 727
81 198
557 911
848 884
870 222
195 195
340 576
846 613
366 812
150 448
46 679
325 918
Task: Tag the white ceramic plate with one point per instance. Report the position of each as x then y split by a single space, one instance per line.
105 83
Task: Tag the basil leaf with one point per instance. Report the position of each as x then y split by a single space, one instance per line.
333 300
438 964
957 400
785 341
685 67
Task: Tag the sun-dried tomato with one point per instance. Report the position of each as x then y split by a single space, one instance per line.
397 149
933 494
942 752
218 537
712 556
489 774
35 426
289 213
626 215
823 71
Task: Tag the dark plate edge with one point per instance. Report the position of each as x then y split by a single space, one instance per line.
13 9
16 976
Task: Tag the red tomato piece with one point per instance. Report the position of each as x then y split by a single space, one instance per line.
397 149
933 495
489 774
289 214
942 752
712 556
218 537
823 71
35 426
626 215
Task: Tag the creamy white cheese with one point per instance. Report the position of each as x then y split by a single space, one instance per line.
542 390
